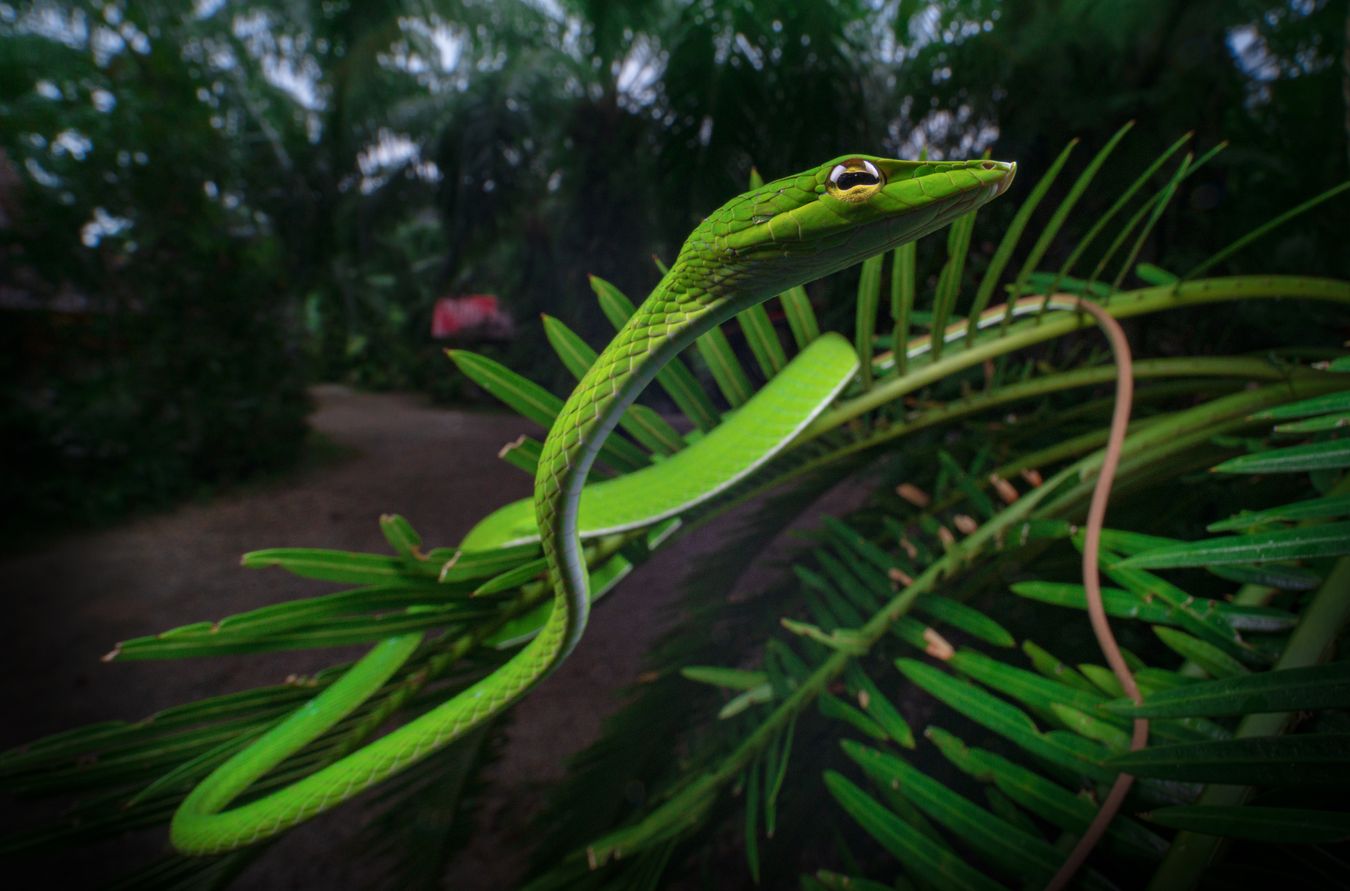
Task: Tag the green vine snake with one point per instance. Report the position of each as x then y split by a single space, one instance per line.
785 233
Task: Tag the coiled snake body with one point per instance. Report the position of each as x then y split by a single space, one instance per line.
787 232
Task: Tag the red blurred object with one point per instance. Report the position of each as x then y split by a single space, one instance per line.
471 316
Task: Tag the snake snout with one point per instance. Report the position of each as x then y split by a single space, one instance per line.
1011 172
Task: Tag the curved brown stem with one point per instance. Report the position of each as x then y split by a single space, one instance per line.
1101 627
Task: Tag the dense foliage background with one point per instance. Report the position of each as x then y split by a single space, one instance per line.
206 205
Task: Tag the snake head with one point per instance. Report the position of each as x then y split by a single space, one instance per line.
802 227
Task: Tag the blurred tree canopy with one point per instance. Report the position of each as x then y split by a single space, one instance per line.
203 205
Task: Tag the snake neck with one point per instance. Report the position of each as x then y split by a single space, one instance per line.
685 304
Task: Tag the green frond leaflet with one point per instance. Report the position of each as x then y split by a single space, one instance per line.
1314 759
865 322
1013 852
1043 797
1003 253
725 367
902 303
800 316
536 404
762 339
1332 454
903 842
1205 265
727 678
1303 543
1291 689
1269 825
949 280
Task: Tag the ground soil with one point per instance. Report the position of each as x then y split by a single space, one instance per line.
69 602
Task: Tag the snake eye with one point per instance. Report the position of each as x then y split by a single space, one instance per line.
854 180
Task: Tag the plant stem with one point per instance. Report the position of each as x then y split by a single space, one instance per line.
1039 329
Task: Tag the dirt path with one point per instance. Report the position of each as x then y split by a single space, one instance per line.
72 600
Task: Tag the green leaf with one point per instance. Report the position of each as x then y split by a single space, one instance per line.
869 297
730 678
1066 206
1086 725
753 696
513 578
1007 810
1118 603
1027 687
844 640
841 613
1270 825
1261 230
1213 660
902 302
905 843
1317 405
862 596
975 497
877 707
576 355
725 367
1011 236
1315 425
1126 605
777 766
468 565
523 453
341 566
857 544
964 618
1200 617
1016 853
1285 690
1006 720
949 281
832 706
1127 543
1159 199
1164 199
1312 759
1302 543
1155 275
401 536
752 809
1329 455
1102 678
1042 797
1100 224
536 404
522 395
801 317
1284 576
762 339
1050 666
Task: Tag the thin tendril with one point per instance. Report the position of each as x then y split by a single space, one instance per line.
1101 627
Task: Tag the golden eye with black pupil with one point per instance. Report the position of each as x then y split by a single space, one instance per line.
855 180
